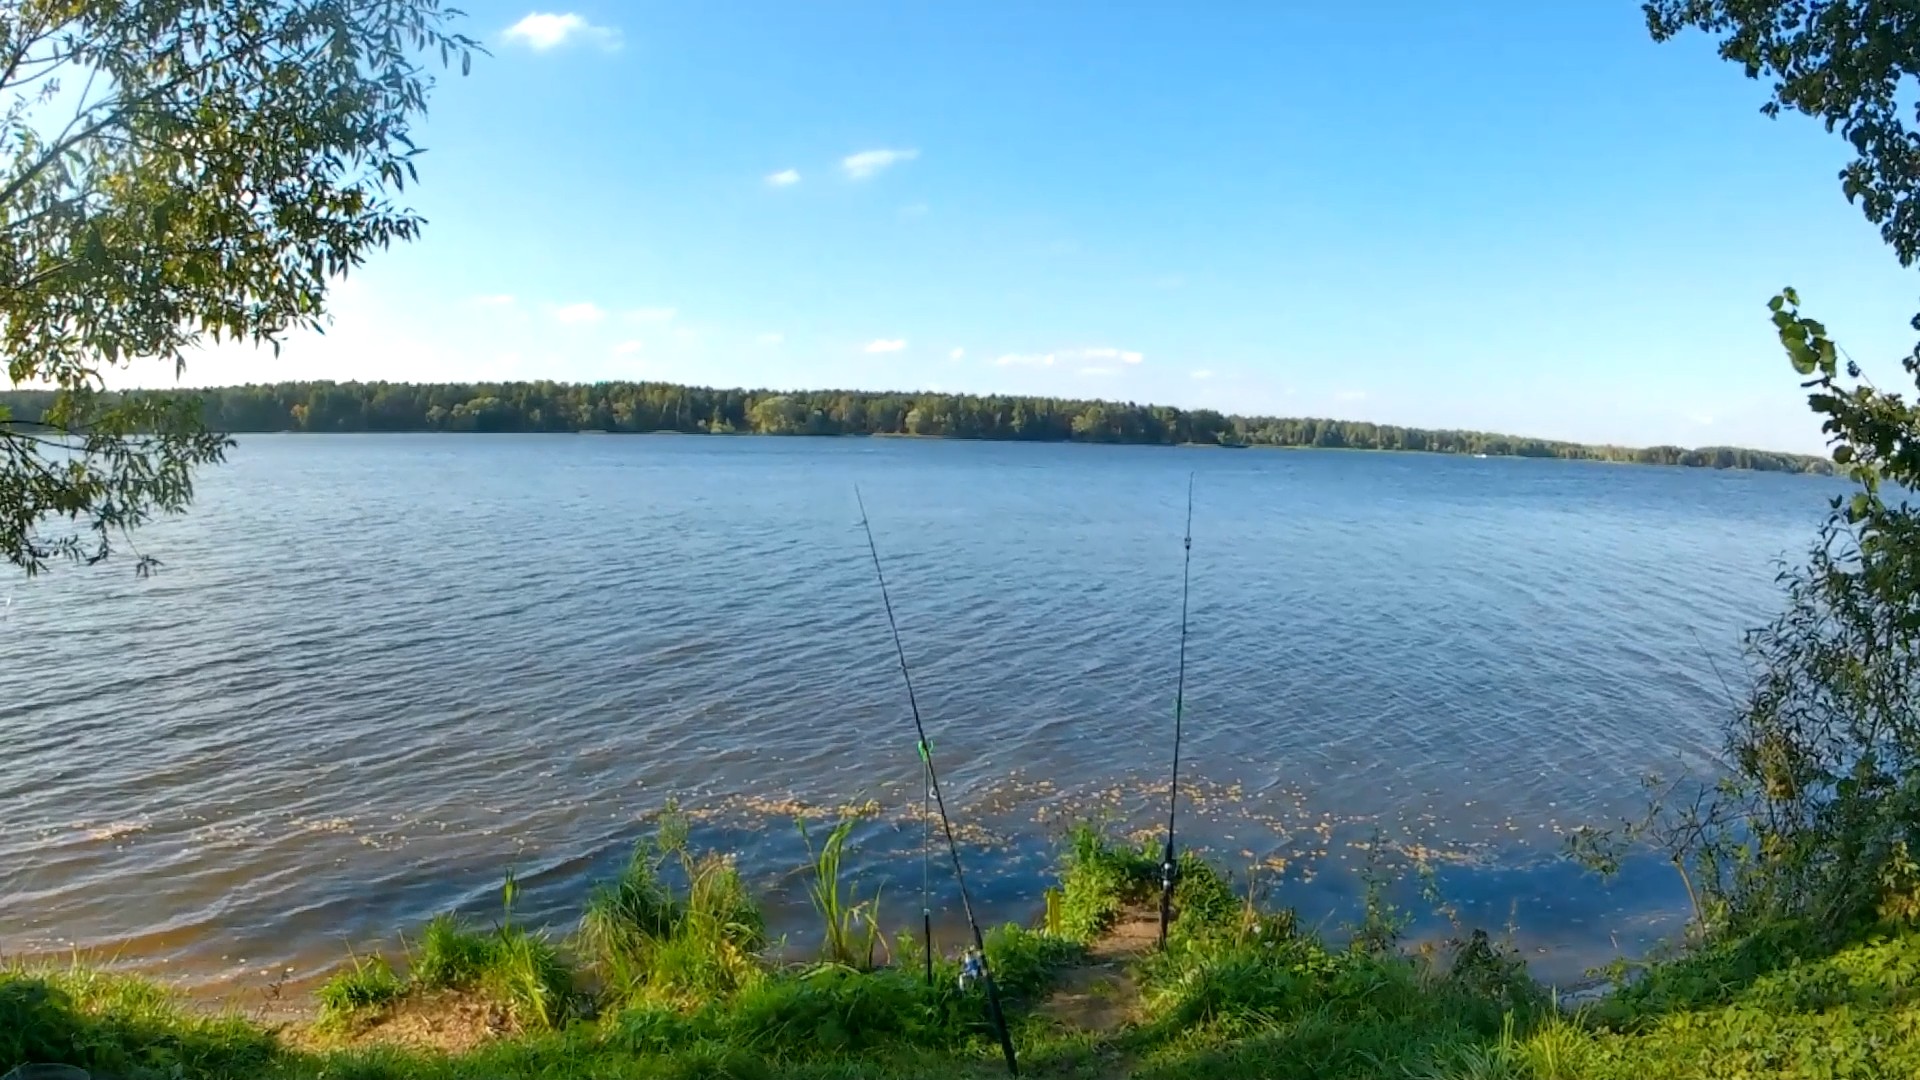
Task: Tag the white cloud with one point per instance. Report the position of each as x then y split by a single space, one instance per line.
1106 353
628 347
886 345
770 339
651 315
867 162
543 30
1203 373
958 353
784 177
1073 356
498 300
583 313
1098 371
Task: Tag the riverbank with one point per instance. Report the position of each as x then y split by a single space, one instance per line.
667 977
650 407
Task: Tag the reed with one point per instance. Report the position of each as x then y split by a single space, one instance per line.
852 925
674 925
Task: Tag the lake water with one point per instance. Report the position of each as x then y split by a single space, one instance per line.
376 671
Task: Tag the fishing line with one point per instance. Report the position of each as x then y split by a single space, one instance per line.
1167 860
933 785
1731 702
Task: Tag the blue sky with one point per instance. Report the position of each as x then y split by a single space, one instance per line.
1515 216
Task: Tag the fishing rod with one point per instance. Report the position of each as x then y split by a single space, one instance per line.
933 786
1168 864
926 858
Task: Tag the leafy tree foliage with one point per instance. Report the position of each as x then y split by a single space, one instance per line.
176 172
650 406
1844 62
1819 822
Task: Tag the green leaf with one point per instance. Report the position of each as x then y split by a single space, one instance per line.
1827 358
1842 455
1775 303
1804 360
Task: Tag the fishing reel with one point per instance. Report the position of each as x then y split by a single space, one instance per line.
973 968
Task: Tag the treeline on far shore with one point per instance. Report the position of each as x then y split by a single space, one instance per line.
655 406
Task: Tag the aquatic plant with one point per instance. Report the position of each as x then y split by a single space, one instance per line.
852 925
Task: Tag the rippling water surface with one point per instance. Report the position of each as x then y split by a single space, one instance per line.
376 671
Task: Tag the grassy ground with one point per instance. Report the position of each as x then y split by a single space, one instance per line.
666 979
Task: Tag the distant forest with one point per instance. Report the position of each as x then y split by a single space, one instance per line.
652 407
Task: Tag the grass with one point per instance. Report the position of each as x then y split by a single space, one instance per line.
518 968
368 986
650 940
1239 993
1099 879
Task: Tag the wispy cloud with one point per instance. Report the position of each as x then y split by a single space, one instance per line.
497 300
628 347
886 345
770 339
583 313
1099 371
1093 356
1107 353
651 315
542 30
784 178
867 162
1203 373
958 353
